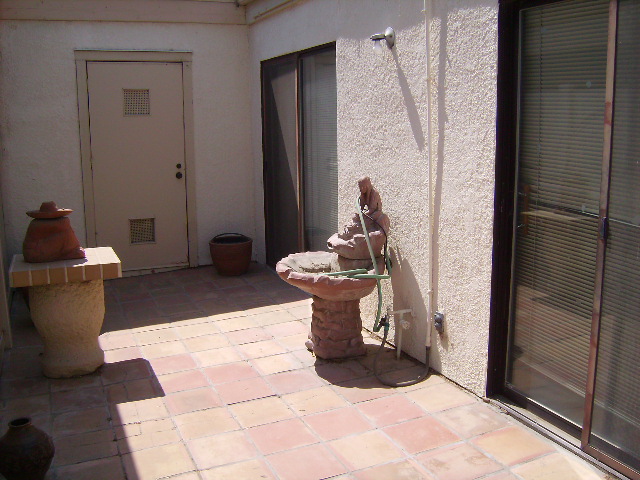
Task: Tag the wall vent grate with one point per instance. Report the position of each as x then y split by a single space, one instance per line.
142 230
136 102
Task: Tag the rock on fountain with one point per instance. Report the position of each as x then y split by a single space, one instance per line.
336 326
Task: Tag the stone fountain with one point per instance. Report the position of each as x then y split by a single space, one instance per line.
336 326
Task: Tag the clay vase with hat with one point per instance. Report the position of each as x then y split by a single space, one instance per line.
50 236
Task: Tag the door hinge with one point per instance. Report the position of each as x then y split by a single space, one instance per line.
604 228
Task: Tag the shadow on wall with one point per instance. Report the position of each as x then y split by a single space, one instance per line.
410 104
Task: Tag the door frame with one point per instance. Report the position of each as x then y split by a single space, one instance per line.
184 58
6 338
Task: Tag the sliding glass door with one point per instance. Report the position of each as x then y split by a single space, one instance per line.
300 152
319 148
562 91
574 302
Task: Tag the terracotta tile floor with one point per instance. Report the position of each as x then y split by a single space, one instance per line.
208 378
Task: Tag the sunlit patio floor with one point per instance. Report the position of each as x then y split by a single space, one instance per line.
208 377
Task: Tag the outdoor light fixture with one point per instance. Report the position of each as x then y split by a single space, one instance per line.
389 36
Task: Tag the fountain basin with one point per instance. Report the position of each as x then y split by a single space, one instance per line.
307 271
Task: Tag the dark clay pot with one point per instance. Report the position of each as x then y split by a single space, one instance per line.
25 451
231 253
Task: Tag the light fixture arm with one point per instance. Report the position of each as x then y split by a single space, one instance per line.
389 36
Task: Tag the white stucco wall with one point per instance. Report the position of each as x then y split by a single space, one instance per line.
39 118
383 133
464 51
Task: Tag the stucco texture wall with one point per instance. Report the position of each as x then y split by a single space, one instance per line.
384 132
464 52
39 118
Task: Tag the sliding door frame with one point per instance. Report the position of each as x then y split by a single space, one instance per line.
604 209
505 209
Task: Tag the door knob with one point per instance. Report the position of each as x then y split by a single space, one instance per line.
179 175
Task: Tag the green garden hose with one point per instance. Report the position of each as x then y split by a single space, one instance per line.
378 324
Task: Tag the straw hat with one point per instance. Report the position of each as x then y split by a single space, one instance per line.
49 210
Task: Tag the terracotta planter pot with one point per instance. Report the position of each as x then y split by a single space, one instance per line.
231 253
25 451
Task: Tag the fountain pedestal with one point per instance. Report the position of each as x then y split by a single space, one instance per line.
336 328
66 299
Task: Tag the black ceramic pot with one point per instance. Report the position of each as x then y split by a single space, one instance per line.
25 451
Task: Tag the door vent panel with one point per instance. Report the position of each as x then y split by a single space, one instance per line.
142 230
136 102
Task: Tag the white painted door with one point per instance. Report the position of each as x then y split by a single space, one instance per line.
136 120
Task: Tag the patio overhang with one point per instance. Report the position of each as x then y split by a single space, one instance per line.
152 11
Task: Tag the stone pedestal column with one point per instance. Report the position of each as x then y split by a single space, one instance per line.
336 329
69 317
